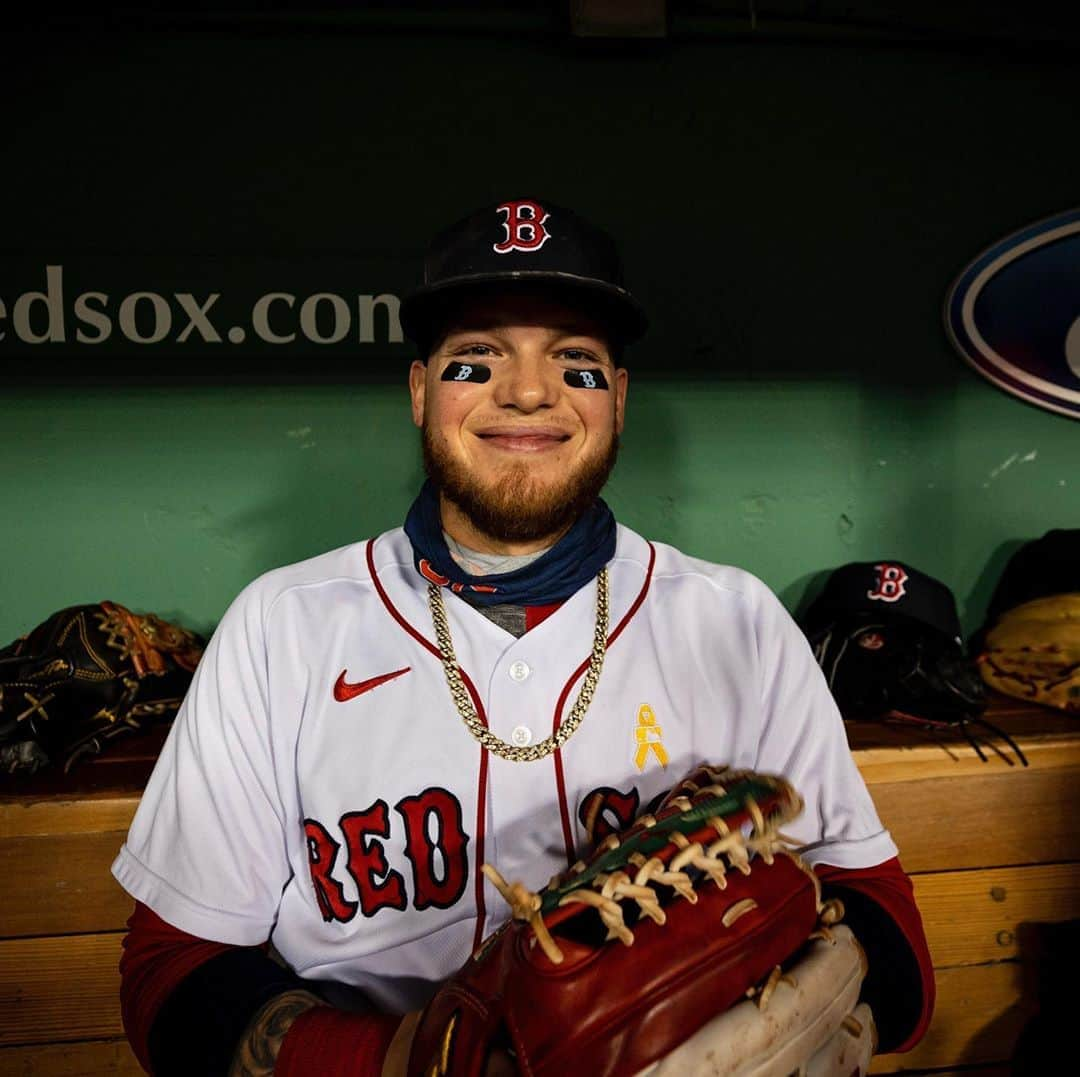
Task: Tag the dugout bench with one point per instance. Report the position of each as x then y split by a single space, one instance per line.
993 849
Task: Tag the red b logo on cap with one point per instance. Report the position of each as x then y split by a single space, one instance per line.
890 583
524 226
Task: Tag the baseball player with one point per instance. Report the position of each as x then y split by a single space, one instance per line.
506 678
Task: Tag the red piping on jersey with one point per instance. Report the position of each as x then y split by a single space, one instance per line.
481 798
560 780
481 813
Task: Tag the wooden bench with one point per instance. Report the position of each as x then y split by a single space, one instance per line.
993 849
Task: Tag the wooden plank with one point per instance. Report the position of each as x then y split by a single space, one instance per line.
61 885
978 1017
926 756
31 818
891 751
985 819
95 1058
973 917
37 1001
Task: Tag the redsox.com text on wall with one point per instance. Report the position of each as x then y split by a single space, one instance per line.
53 316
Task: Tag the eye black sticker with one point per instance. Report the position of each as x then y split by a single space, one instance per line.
466 372
585 379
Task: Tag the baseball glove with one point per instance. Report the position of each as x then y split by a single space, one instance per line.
86 675
693 942
895 670
1033 652
877 667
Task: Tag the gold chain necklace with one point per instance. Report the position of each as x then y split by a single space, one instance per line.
465 708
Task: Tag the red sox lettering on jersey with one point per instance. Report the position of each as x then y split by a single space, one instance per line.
889 586
432 831
524 226
378 885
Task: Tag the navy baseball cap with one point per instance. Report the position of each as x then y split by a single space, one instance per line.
525 242
885 588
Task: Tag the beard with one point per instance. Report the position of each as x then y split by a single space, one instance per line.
514 506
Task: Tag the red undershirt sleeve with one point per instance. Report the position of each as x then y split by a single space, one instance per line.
903 979
332 1043
157 958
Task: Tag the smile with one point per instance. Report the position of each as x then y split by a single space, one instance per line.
524 439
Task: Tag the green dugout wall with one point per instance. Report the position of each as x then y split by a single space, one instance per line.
792 214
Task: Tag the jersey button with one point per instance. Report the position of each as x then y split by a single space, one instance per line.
519 671
521 736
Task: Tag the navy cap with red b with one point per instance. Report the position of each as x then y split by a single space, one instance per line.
885 588
524 243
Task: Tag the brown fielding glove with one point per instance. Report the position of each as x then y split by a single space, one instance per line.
1033 652
85 675
630 956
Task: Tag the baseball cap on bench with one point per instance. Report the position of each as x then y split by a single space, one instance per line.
523 243
888 589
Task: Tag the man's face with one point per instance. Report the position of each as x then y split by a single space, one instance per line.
517 457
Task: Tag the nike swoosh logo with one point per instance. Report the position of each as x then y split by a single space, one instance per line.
343 691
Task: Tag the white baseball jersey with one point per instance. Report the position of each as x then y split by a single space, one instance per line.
320 788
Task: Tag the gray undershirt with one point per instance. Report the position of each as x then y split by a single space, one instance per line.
509 617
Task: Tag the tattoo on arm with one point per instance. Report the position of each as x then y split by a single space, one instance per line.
258 1050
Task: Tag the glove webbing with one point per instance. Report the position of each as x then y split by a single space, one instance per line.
605 890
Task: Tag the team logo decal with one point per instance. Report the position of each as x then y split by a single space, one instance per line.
467 372
1014 314
437 578
431 575
889 586
585 379
649 738
870 640
524 226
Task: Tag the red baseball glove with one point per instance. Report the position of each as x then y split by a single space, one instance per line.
664 930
